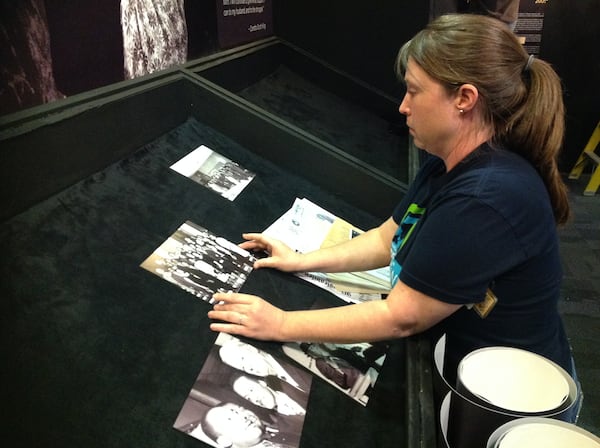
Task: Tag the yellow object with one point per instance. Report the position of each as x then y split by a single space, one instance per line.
589 155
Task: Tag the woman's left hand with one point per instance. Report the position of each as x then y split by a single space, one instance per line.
246 315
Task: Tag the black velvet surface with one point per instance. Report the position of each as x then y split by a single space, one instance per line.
97 351
335 120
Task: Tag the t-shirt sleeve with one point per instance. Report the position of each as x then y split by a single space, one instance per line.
460 247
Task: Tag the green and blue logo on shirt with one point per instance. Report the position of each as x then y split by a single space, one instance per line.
409 221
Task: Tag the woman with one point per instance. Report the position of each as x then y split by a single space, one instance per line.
474 250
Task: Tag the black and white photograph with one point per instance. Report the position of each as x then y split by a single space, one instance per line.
246 397
200 262
214 171
351 368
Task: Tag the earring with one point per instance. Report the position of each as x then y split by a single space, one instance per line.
461 111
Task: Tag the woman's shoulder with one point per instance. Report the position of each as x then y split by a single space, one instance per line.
504 181
497 172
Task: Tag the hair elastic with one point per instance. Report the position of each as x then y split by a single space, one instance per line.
528 64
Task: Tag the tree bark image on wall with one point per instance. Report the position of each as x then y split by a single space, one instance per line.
154 35
26 77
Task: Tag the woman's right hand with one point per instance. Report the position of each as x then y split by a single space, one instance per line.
280 257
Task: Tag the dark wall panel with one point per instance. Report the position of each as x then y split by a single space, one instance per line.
570 43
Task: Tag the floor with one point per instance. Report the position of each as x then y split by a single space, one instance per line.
580 307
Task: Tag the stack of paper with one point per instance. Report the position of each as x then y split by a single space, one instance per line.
306 227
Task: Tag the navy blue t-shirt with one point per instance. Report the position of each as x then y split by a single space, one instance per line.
486 224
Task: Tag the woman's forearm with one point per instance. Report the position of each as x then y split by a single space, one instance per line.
369 250
369 321
404 312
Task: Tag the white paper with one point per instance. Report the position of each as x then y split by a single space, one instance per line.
514 379
547 435
303 228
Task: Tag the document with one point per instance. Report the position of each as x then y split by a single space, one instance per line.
306 227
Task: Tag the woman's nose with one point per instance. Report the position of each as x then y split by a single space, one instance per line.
403 108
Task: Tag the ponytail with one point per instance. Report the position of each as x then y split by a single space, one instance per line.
536 131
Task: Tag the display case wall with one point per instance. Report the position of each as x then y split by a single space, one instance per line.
341 111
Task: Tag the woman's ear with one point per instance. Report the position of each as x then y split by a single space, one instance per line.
466 97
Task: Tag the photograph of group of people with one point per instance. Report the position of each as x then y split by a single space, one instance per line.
246 397
200 262
214 171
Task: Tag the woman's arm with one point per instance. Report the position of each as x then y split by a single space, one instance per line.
405 312
369 250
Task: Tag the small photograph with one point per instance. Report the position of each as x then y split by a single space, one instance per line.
246 397
214 171
200 262
351 368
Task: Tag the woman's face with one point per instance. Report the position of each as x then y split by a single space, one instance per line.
239 426
254 392
431 113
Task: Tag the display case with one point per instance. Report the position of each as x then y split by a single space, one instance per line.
99 352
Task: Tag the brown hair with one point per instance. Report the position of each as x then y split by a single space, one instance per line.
520 96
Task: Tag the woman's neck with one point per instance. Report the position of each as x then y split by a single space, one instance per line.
464 145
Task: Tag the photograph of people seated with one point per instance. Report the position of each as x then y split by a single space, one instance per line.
245 397
352 368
